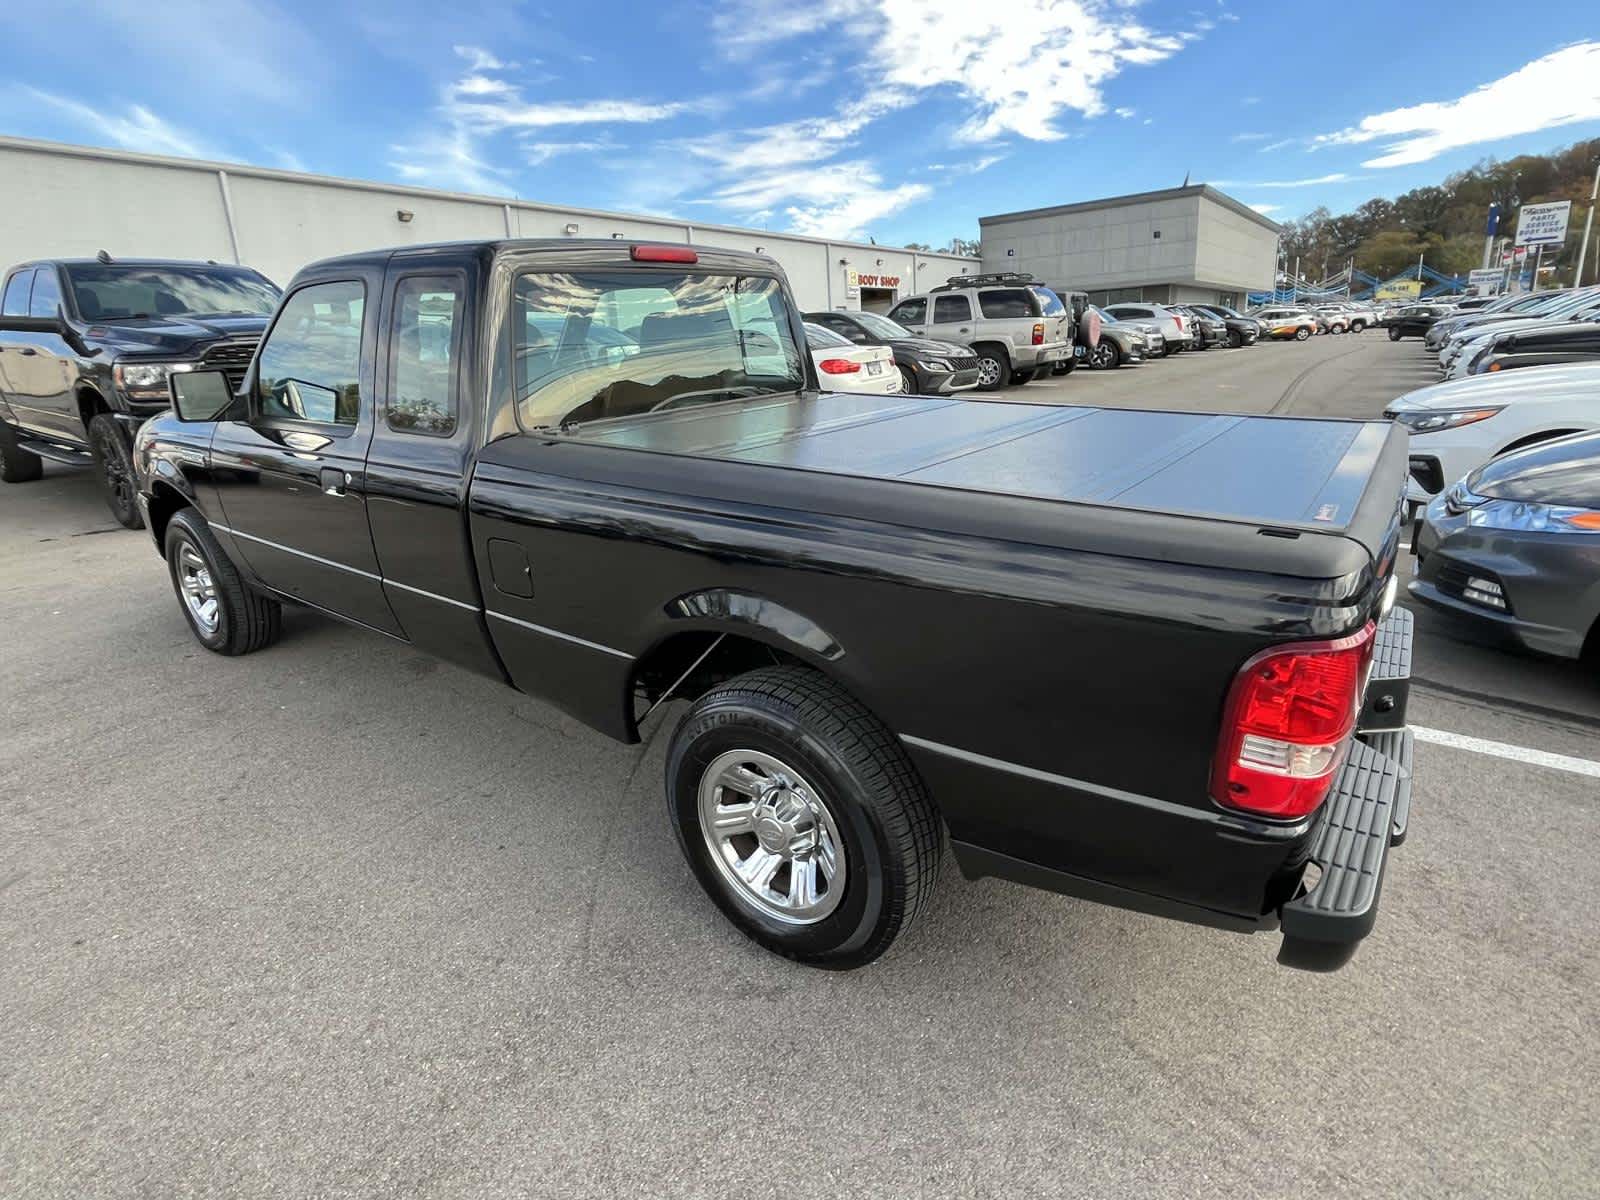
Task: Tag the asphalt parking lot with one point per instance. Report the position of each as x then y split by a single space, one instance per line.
335 919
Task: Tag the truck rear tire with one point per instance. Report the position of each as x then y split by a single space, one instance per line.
225 614
802 817
1018 378
113 459
16 464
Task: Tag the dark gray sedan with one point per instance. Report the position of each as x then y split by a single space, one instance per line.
1515 546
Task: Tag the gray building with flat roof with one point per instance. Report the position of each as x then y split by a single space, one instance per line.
1181 244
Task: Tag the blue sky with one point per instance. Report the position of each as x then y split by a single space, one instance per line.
902 119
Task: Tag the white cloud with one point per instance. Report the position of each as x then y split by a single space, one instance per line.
136 128
1250 137
1125 113
1336 177
480 105
1022 63
1562 88
1270 147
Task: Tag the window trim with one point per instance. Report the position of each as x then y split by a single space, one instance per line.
259 417
458 281
61 301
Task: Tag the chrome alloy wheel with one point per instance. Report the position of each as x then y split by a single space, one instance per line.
988 371
199 591
772 838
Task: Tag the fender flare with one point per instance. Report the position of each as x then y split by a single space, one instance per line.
755 616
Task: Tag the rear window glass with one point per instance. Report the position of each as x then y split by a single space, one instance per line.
1002 303
592 345
819 335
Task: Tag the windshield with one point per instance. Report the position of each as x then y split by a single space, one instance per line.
597 344
113 292
882 327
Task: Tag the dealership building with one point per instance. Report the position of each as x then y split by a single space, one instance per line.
60 201
1181 244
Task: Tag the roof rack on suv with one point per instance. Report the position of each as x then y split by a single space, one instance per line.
989 280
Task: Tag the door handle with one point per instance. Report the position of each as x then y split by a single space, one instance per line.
28 350
334 481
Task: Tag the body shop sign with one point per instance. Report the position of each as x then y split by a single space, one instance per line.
879 281
1543 224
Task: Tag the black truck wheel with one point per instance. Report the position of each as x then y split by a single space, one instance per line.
1394 333
114 460
1018 378
802 817
16 464
994 368
224 613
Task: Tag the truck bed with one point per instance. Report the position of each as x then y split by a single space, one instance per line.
1306 474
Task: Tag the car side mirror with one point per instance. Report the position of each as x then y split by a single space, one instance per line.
199 395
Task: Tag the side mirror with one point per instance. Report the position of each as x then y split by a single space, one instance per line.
199 395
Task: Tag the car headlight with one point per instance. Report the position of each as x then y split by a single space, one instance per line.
1426 421
146 382
1528 517
934 364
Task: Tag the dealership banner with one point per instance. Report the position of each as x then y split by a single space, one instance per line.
1399 289
1543 224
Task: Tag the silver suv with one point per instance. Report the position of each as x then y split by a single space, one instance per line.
1016 327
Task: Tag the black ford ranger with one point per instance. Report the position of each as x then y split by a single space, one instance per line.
1145 658
86 346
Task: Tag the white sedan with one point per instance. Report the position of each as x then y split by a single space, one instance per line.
843 366
1459 425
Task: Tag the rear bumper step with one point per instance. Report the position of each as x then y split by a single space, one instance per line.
1367 812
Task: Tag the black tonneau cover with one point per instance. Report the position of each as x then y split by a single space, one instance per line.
1279 472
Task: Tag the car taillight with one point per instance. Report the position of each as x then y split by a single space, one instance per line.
1038 335
1179 319
838 366
1289 717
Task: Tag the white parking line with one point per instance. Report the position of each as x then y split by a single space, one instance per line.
1537 758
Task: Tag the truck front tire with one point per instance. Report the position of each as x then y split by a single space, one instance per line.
114 461
224 613
994 368
16 464
802 817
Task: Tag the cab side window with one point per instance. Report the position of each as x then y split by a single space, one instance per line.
311 362
46 300
423 351
947 310
15 303
912 312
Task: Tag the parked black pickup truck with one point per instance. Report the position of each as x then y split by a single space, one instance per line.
1147 658
86 346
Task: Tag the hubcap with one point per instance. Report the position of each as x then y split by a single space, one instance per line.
772 838
199 592
988 370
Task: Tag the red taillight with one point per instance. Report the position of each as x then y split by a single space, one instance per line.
1038 335
1178 317
1289 715
668 254
838 366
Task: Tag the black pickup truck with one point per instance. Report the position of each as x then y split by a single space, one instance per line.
1145 658
86 346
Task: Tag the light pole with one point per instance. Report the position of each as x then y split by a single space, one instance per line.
1588 223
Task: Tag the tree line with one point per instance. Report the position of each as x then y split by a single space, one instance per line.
1446 223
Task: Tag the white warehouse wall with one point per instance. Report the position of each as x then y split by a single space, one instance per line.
61 201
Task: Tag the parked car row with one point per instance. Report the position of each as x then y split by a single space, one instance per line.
654 493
